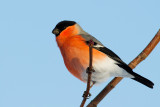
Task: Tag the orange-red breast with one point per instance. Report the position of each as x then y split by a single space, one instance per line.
73 43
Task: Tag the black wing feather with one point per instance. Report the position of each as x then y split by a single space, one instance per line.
115 57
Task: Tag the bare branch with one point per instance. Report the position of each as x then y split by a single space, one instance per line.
132 65
89 71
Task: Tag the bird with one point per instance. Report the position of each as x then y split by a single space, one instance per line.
73 43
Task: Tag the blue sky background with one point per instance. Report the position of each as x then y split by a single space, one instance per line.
32 72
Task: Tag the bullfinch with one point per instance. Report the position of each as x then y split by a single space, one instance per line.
73 43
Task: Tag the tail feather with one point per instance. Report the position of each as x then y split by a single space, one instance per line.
143 80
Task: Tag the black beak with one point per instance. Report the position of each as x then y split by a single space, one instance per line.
56 31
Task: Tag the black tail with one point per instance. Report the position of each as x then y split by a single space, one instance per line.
143 80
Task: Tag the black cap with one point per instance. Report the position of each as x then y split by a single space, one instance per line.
61 26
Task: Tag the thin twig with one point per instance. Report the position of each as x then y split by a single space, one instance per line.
132 65
89 71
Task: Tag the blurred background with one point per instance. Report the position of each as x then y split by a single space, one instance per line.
32 71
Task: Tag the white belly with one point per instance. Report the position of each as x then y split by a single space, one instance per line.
104 69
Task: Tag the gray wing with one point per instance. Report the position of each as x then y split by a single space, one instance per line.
89 37
100 47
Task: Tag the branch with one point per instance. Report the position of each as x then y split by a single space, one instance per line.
89 70
132 65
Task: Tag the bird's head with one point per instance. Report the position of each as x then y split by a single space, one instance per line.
66 29
64 26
